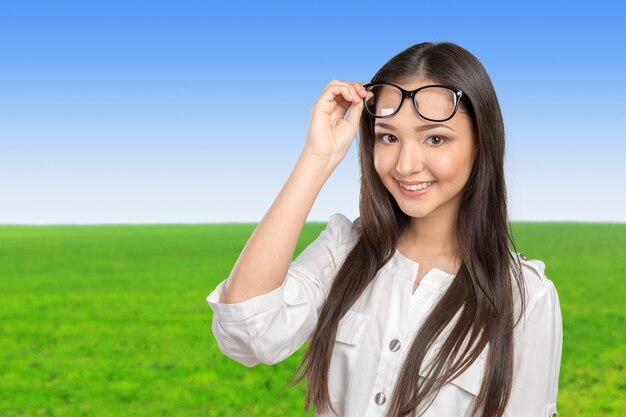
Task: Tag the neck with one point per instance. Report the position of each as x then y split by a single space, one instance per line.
433 235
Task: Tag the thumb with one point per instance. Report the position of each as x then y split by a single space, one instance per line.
354 115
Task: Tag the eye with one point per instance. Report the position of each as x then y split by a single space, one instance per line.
380 137
441 139
438 140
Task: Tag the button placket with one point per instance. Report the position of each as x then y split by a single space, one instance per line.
388 363
390 359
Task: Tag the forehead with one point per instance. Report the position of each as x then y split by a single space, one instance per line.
416 83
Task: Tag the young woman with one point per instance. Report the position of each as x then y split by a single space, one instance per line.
418 307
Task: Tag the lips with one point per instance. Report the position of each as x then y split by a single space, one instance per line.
413 182
418 192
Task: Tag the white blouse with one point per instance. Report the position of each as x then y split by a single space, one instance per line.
374 336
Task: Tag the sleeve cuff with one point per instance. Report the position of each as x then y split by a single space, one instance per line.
247 309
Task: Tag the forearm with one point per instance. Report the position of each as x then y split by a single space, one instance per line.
264 261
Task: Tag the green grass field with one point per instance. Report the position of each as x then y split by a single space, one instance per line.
112 321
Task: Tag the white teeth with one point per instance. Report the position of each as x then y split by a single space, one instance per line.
417 186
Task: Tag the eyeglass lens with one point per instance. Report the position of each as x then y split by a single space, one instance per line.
432 102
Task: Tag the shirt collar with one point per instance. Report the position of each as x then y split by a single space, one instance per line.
407 269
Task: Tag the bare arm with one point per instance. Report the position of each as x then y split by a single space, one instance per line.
265 259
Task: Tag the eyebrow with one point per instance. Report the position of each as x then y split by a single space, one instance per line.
417 129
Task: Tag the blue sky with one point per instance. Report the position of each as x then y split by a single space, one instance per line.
142 111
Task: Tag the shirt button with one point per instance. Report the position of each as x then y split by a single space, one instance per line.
522 256
394 345
380 398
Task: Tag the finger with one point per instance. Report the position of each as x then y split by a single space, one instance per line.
338 97
339 90
341 101
354 116
333 104
359 89
340 109
356 106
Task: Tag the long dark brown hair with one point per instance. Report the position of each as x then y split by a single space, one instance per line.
482 289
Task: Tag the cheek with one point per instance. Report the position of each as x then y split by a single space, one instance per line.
445 166
454 166
379 162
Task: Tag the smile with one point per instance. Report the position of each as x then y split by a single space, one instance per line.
420 186
416 190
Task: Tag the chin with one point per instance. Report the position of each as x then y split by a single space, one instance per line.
416 213
412 209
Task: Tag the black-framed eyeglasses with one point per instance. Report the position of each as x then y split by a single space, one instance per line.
436 103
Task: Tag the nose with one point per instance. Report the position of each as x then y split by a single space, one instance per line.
411 157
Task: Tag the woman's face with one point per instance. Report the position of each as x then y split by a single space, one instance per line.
411 149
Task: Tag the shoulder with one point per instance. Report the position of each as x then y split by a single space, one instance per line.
533 273
540 290
340 221
342 227
343 231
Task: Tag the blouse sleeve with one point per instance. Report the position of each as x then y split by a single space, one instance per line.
270 327
538 357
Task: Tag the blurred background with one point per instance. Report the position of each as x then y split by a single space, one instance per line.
195 112
132 132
